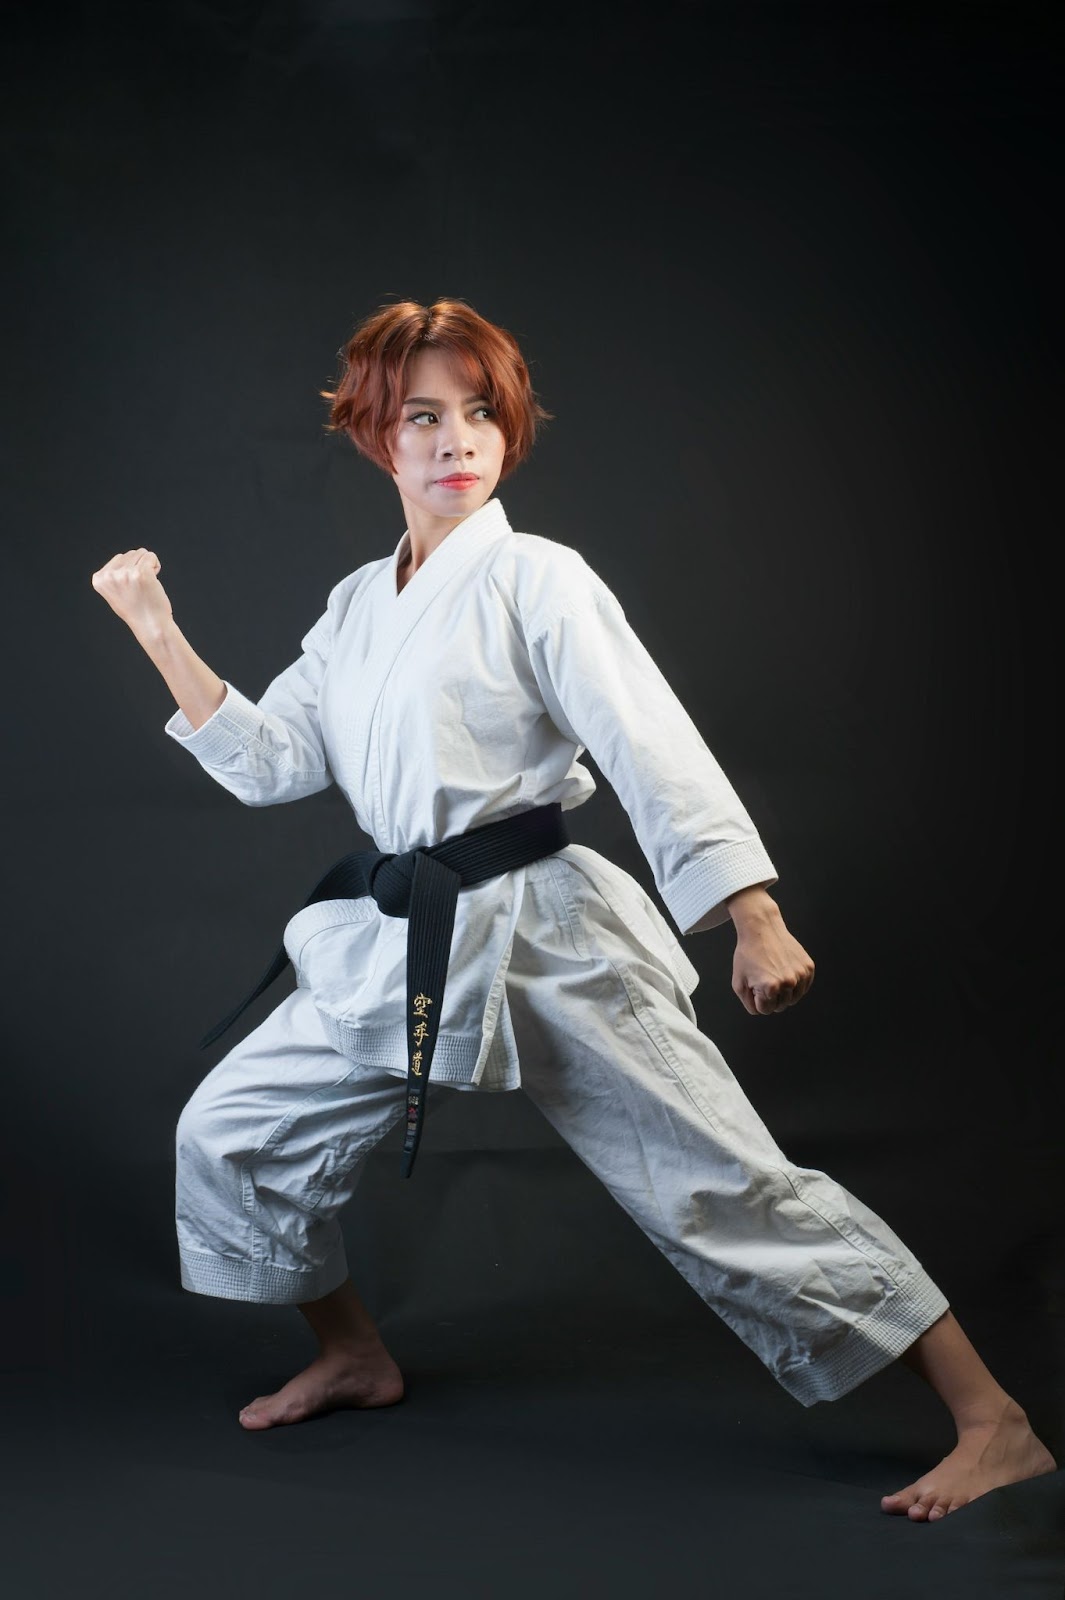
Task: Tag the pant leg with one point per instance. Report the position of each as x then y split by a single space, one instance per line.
269 1148
812 1280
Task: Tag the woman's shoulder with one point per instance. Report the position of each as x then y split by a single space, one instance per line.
534 550
546 577
340 600
344 591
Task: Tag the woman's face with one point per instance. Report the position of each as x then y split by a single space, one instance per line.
448 449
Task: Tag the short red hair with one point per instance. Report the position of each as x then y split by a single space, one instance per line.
367 400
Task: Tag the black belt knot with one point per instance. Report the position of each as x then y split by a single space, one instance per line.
422 885
392 882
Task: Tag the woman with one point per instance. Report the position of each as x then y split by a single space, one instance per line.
450 688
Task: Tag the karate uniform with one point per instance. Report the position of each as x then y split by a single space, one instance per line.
468 696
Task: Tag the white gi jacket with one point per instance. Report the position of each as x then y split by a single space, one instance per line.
466 697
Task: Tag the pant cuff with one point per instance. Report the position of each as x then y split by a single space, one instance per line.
872 1344
231 1278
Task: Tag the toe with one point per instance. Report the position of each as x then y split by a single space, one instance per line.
252 1417
921 1510
901 1500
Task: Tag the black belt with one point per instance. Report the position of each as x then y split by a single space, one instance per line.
422 885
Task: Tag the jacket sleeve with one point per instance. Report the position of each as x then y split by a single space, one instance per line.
603 691
270 751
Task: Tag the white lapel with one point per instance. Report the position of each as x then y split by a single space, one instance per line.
465 540
396 616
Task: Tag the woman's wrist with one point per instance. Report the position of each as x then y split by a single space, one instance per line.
751 906
159 637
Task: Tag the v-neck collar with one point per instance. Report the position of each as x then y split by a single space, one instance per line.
486 519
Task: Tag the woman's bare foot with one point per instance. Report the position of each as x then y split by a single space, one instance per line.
352 1368
361 1375
987 1456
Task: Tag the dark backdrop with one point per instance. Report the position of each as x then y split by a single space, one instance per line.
788 276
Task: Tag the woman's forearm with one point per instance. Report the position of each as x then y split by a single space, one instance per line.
198 691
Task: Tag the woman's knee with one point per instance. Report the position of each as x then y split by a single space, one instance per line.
206 1129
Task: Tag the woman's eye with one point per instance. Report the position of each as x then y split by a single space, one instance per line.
417 416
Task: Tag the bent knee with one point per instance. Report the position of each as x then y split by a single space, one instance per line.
208 1131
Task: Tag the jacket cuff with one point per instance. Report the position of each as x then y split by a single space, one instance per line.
226 732
704 886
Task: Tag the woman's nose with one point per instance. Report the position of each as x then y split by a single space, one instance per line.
455 443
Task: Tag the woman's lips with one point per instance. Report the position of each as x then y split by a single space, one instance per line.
463 480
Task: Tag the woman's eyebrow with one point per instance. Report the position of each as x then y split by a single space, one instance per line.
427 400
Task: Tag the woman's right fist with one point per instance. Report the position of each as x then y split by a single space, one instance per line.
131 588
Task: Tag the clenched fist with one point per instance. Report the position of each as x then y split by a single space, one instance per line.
130 585
770 970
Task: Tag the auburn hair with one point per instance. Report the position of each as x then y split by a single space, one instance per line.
366 401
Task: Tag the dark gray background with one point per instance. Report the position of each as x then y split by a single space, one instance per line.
788 276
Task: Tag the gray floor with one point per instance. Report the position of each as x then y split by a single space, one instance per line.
575 1421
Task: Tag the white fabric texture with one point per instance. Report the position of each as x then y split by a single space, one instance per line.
468 696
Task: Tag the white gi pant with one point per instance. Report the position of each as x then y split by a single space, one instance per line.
270 1145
